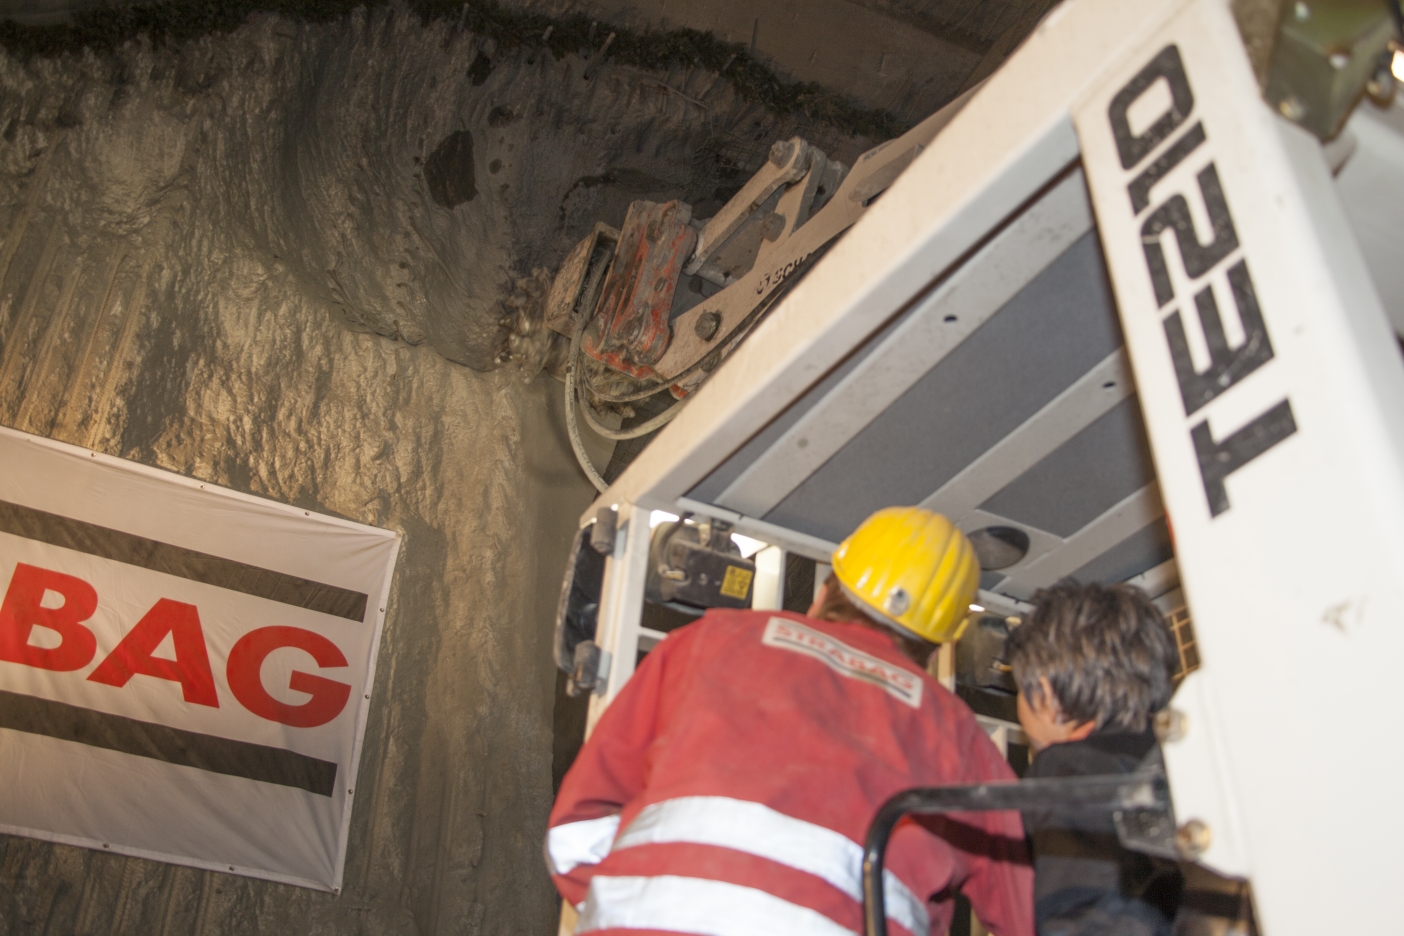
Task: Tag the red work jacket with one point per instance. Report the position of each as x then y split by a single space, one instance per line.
727 790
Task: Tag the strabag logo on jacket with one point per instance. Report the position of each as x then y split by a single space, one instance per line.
843 659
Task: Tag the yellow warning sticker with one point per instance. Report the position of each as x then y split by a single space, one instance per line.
737 582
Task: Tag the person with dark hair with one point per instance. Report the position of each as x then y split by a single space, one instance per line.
1093 666
728 789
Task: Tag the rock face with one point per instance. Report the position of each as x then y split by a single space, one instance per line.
263 259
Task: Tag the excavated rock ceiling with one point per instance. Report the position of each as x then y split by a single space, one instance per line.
403 176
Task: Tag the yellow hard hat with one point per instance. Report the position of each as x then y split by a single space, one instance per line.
912 569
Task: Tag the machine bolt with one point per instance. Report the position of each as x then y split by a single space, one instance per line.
1292 108
781 152
1192 839
1381 86
1170 725
707 325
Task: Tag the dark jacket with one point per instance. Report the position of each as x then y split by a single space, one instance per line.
1085 883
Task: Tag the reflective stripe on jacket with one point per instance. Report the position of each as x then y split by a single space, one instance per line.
726 790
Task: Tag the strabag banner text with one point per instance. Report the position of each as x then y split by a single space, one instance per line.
185 671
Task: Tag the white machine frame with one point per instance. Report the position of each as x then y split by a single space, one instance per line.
1285 478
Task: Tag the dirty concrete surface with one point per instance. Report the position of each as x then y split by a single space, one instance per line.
274 259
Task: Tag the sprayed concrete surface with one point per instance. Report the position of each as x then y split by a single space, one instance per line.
263 259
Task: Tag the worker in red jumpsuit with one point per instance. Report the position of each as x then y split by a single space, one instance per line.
728 787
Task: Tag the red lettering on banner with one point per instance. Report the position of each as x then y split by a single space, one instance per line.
191 666
22 610
246 682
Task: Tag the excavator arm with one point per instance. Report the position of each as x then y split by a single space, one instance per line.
659 303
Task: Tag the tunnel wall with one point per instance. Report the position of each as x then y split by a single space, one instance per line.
134 325
271 259
266 395
275 258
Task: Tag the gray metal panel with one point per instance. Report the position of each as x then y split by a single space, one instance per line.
951 310
1056 329
1132 556
989 581
1084 477
711 487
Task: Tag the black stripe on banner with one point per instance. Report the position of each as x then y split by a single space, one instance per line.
201 567
163 743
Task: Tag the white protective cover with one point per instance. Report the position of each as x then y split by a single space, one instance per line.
128 763
1271 387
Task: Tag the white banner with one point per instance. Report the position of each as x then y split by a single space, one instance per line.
185 671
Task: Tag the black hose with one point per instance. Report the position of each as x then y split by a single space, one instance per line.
1106 793
572 429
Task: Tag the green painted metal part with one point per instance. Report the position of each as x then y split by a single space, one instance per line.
1327 51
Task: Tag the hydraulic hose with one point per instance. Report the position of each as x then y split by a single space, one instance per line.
643 429
572 429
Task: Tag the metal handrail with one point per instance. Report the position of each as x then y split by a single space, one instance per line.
1143 790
